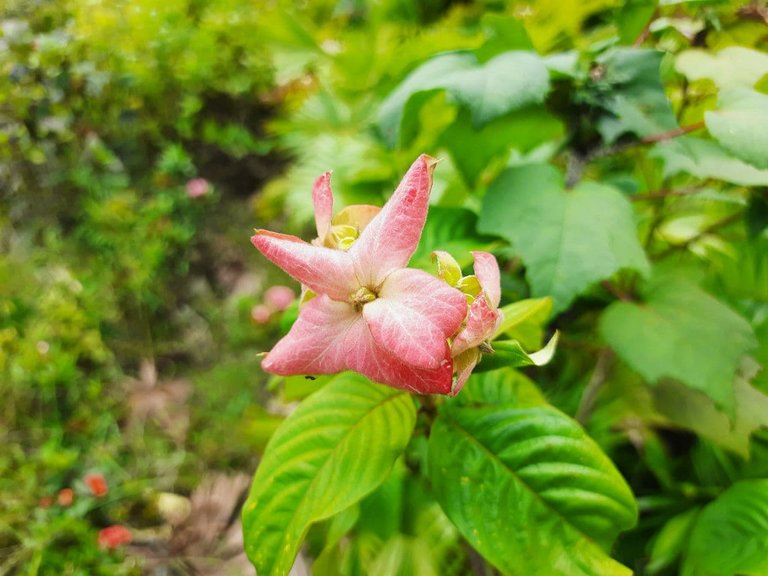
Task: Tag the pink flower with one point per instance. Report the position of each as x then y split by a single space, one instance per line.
97 484
483 319
279 297
261 313
370 313
114 536
197 187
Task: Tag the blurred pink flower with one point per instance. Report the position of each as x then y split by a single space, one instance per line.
483 319
371 314
197 187
97 484
279 297
114 536
261 313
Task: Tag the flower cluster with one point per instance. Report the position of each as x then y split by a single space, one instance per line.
364 310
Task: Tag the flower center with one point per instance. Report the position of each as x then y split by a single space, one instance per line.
362 297
342 236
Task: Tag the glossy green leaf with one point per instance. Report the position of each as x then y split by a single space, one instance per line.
508 81
500 387
549 501
731 67
565 247
707 159
740 124
680 332
326 456
731 534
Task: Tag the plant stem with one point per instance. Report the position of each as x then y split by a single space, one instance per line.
659 194
644 141
723 222
616 291
646 31
670 134
599 375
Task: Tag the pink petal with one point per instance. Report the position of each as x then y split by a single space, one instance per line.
389 241
482 321
487 272
330 337
426 296
322 198
324 270
386 369
320 341
409 335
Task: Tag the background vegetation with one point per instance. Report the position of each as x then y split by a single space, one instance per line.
611 154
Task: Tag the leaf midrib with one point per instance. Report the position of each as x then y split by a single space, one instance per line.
321 468
452 422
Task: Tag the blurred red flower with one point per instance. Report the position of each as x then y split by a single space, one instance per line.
114 536
97 484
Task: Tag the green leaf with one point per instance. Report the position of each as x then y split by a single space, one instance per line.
706 159
338 527
732 67
524 320
506 82
740 124
453 230
695 411
473 148
632 18
404 556
549 500
680 332
505 386
671 540
731 534
634 94
504 33
565 247
334 449
510 354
